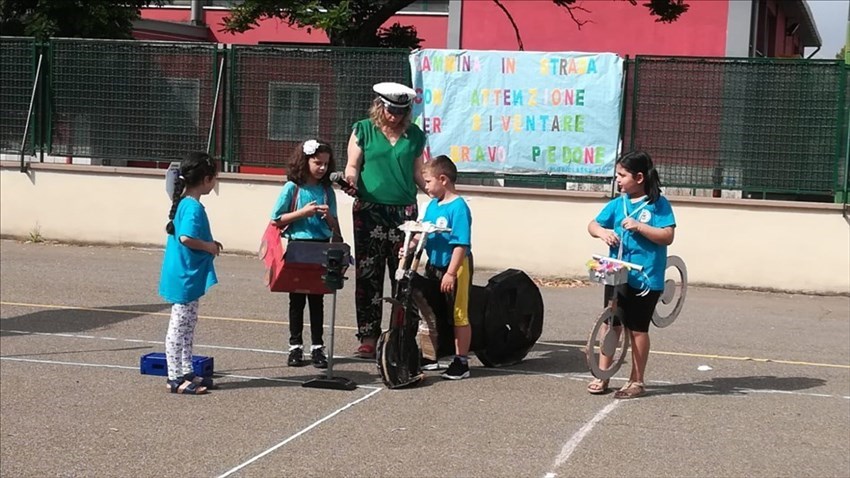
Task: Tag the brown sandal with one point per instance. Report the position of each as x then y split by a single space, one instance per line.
631 390
598 387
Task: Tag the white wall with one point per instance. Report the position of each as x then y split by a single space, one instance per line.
736 243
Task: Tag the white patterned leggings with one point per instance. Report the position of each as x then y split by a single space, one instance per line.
178 340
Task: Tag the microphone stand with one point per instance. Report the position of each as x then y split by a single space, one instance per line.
334 280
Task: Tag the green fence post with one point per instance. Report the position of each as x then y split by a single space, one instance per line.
48 94
217 71
621 134
634 103
839 133
35 137
846 187
229 149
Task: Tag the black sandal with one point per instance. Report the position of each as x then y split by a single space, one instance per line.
186 387
206 382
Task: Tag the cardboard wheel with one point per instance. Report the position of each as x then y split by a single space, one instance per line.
511 319
673 297
398 366
608 343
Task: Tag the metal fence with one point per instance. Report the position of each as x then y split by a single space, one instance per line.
16 81
126 100
279 96
758 125
763 127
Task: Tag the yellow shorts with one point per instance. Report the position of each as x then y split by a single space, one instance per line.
459 299
461 295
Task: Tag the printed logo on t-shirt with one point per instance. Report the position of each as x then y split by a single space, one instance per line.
442 221
644 216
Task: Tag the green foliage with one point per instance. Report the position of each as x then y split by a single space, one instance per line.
71 18
35 233
359 22
346 22
399 36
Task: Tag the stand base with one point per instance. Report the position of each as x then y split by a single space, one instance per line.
333 383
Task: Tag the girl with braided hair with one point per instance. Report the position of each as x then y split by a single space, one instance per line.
187 268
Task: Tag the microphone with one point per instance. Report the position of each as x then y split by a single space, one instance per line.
338 177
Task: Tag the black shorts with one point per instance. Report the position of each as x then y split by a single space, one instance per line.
636 310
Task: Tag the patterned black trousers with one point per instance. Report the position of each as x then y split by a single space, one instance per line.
376 243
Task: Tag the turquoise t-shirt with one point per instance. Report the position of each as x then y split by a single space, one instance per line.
387 173
187 274
637 249
455 215
314 227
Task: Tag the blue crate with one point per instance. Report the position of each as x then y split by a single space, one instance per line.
155 364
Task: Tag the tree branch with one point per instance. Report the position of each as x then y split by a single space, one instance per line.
570 5
578 22
516 28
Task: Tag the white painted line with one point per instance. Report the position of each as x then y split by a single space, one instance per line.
125 367
570 375
81 364
156 342
571 444
305 430
579 377
743 392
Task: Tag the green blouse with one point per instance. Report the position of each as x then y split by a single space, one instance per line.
386 175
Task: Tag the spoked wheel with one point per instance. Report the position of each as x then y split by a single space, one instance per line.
673 297
398 364
397 353
604 338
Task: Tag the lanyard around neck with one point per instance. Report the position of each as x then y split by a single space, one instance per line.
626 207
626 213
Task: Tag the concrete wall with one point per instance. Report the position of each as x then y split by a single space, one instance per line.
736 243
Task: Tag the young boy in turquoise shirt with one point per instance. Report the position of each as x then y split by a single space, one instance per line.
450 254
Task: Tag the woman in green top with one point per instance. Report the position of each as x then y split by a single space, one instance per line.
385 159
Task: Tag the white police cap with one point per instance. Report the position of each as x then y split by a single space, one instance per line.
395 94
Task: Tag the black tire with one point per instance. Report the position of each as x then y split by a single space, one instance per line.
397 371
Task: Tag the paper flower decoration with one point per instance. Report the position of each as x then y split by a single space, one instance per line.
310 147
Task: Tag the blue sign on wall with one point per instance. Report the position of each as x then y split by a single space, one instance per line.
520 112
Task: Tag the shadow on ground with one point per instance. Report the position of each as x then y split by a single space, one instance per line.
234 383
550 359
739 385
74 320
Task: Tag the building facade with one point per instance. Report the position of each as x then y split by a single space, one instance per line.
710 28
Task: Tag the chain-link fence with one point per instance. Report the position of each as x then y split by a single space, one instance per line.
758 127
17 76
130 100
282 96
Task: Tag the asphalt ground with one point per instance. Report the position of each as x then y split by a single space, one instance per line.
74 321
